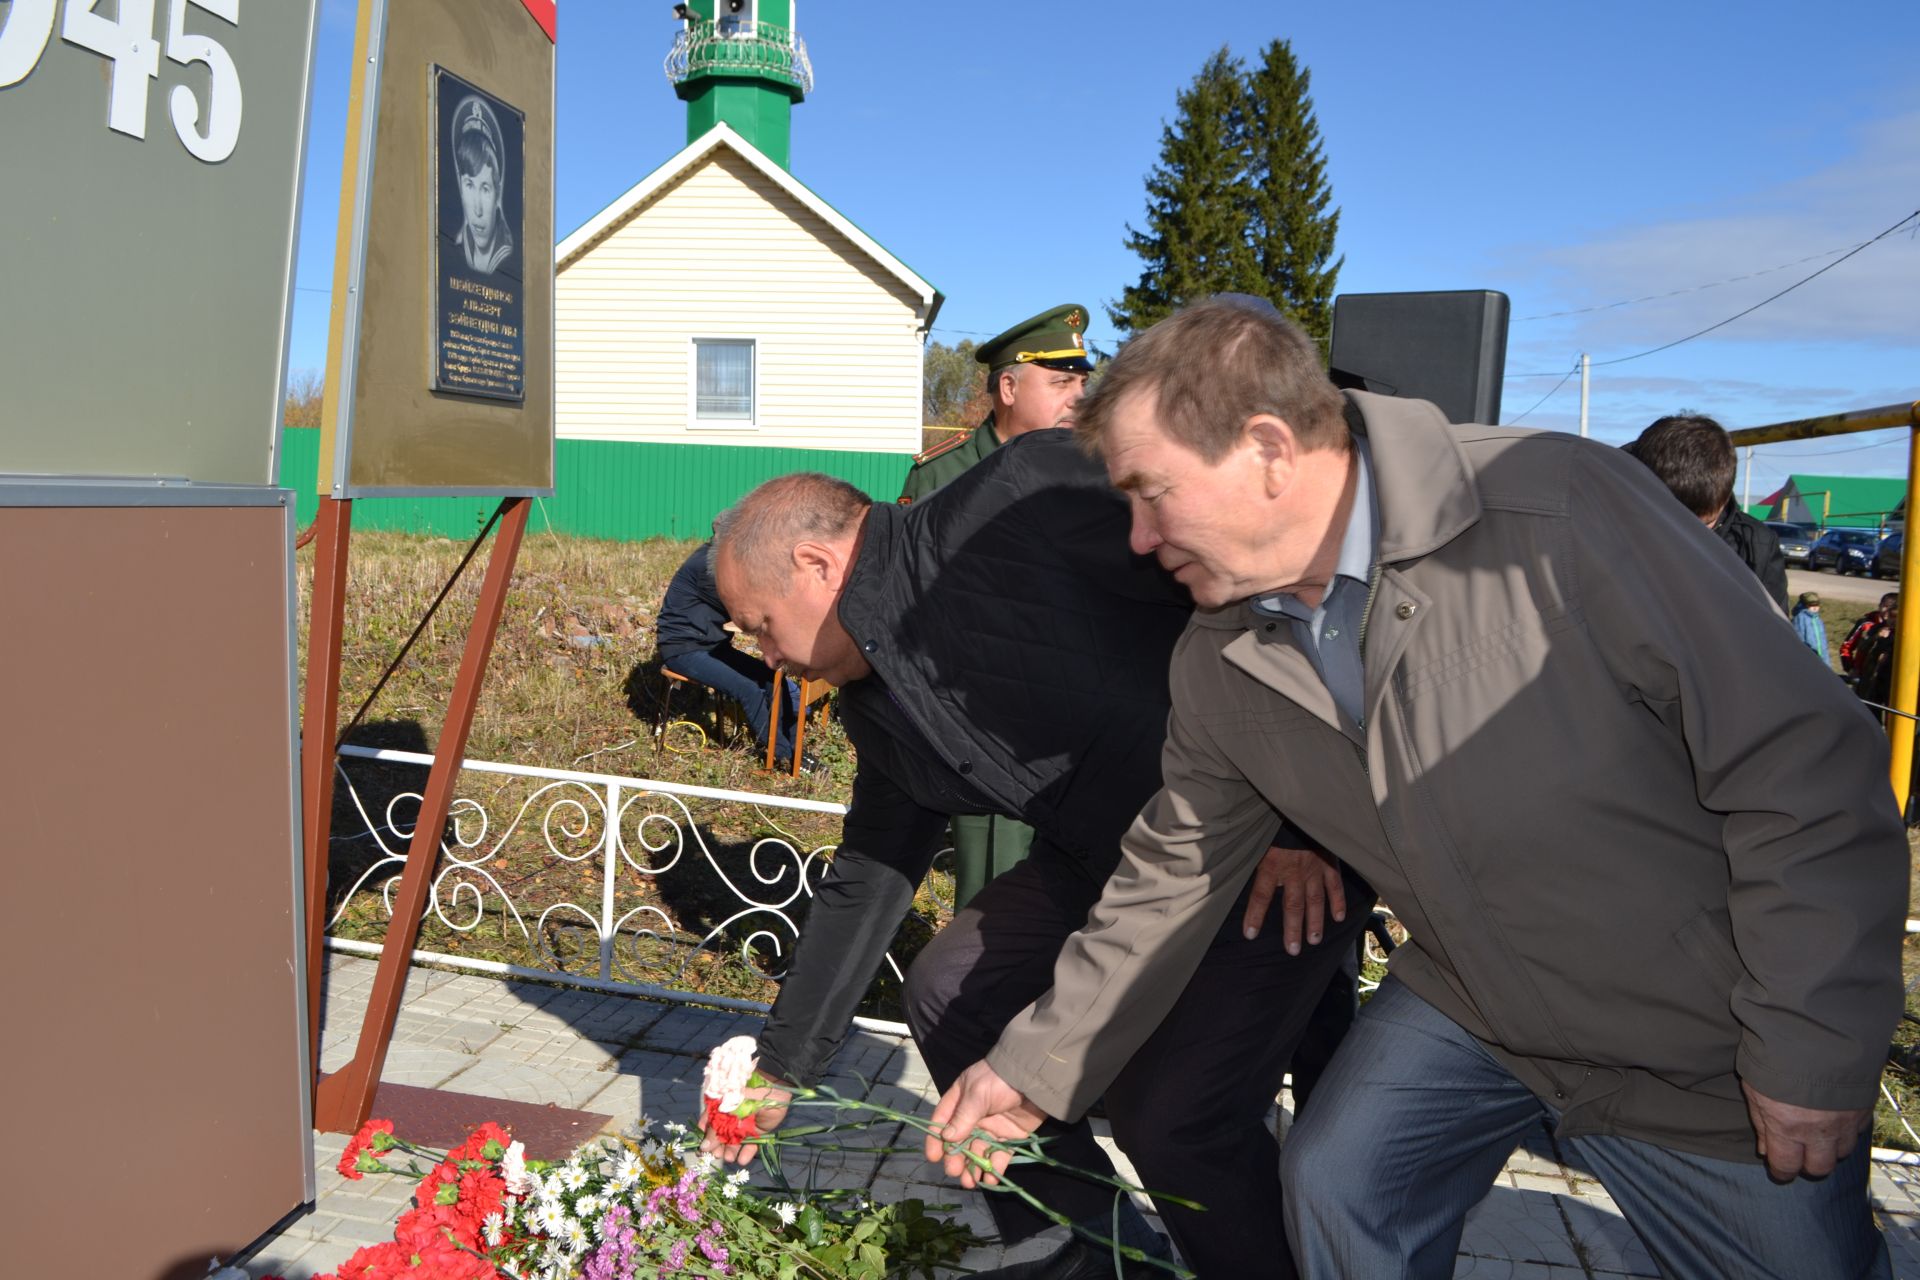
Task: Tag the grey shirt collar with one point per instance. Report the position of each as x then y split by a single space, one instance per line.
1358 544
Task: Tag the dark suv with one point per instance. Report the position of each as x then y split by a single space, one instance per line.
1843 550
1796 540
1886 561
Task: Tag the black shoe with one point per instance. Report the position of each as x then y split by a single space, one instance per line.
1079 1259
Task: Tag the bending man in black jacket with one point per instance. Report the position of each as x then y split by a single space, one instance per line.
1000 650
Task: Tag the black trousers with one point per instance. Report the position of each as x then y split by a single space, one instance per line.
1190 1108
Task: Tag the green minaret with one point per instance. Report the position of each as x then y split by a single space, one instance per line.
740 61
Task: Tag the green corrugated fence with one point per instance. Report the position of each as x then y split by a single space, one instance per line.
606 489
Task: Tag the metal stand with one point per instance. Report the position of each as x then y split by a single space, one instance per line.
344 1099
317 732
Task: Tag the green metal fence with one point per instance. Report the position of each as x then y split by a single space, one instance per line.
606 489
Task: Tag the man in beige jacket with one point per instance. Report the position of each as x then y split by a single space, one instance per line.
1644 844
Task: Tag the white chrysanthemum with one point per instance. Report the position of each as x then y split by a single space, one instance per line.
589 1207
705 1163
627 1172
674 1127
651 1149
550 1219
553 1186
573 1176
577 1242
730 1189
788 1211
493 1229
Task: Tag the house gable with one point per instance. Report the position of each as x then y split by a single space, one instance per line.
720 245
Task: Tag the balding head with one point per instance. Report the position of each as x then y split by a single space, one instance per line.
781 557
760 531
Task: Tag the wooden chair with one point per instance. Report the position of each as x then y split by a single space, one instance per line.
812 692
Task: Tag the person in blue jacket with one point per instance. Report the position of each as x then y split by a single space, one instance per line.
1812 629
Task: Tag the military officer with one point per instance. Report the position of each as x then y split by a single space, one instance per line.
1036 372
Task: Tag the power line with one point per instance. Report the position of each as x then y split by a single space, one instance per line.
1668 346
1543 399
1832 453
1696 288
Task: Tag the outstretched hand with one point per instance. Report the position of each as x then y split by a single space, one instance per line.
980 1100
766 1119
1310 886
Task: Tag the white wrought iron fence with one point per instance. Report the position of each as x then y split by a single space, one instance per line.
571 878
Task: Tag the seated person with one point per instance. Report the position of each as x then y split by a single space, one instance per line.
693 641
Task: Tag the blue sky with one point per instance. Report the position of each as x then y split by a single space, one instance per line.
1572 157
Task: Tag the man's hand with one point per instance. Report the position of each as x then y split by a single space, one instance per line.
979 1099
1800 1141
1310 883
766 1120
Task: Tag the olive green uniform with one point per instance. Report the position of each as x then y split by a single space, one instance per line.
985 845
943 463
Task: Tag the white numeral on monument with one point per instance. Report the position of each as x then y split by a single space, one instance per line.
216 143
24 33
127 42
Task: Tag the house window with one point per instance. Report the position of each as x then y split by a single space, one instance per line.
723 390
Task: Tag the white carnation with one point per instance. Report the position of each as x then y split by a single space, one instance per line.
513 1169
729 1067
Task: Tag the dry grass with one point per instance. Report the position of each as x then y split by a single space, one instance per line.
572 684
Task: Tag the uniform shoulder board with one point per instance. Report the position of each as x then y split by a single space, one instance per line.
948 445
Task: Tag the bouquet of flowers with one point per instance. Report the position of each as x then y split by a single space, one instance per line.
653 1205
646 1206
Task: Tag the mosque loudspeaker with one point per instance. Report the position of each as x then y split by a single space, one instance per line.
1447 347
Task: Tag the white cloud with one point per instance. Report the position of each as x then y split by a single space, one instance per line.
1868 299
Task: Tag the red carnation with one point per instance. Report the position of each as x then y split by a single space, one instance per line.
362 1141
729 1128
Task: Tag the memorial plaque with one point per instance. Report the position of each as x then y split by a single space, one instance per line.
440 361
480 337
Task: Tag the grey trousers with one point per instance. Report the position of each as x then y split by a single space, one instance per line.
1415 1118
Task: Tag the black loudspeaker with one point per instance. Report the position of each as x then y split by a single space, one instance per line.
1450 348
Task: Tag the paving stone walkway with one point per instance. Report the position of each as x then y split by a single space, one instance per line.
623 1057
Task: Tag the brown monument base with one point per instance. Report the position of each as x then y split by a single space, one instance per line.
442 1119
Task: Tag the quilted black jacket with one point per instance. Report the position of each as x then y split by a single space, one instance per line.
1019 655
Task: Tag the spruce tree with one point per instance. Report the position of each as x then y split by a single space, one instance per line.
1291 228
1195 241
1239 201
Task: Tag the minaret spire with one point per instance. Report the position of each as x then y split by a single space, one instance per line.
741 62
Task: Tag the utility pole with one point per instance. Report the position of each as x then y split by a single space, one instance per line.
1586 363
1746 496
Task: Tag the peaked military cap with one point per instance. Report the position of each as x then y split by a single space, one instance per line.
1055 339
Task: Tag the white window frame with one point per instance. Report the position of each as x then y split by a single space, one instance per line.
694 421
